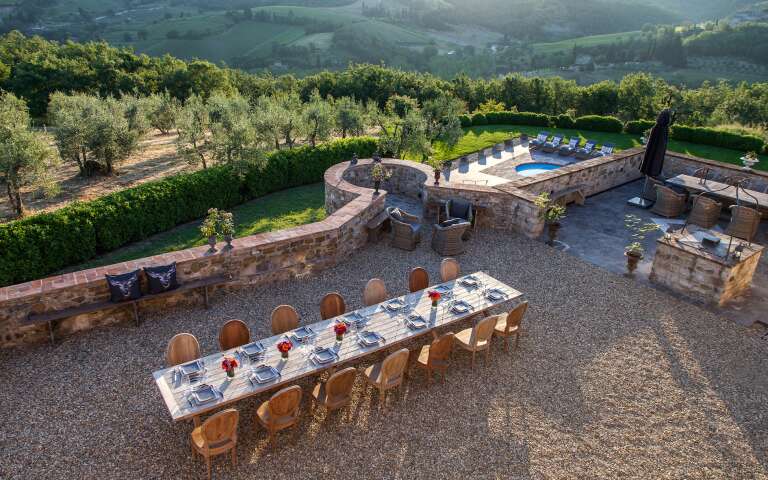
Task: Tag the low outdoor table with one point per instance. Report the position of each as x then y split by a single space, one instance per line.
721 190
391 325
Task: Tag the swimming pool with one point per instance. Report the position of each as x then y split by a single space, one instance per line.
535 168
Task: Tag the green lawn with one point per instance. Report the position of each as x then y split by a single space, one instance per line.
588 41
477 138
278 211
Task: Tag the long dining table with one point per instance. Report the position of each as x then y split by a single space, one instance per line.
729 192
390 323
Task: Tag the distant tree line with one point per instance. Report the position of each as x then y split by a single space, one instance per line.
33 69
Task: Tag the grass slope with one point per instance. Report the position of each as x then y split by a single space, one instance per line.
588 41
476 138
277 211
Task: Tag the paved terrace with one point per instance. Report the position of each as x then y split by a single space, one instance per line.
611 379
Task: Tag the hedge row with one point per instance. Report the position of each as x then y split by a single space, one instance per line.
42 244
717 138
597 123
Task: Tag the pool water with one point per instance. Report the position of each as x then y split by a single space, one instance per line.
535 168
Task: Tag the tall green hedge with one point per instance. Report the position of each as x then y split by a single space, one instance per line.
45 243
598 123
717 138
638 127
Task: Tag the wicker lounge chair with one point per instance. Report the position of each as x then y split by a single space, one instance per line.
705 212
552 145
539 141
406 229
744 222
669 203
447 237
605 150
570 149
585 151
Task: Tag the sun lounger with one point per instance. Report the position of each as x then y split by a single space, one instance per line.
540 140
550 147
605 150
585 151
570 149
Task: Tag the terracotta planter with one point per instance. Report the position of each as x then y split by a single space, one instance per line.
552 229
437 177
632 260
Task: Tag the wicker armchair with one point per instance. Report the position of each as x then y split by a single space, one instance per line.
705 212
669 203
406 229
459 209
649 188
447 239
744 222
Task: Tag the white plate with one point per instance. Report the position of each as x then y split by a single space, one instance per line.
369 338
323 355
417 323
204 394
264 374
192 368
303 333
253 349
395 305
495 294
443 289
461 307
469 281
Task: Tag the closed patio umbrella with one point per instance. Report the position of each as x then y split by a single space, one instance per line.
655 150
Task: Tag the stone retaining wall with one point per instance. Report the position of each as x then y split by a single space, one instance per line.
254 260
677 163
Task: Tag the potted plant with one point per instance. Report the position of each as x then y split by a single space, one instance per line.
209 228
228 365
378 174
638 230
551 213
354 159
227 227
436 165
749 160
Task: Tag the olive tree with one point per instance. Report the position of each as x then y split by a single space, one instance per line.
163 110
350 117
70 116
441 120
193 123
402 127
25 157
233 138
318 119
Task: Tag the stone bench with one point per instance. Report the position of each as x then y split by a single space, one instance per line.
377 226
50 317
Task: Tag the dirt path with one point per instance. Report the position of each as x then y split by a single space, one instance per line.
156 159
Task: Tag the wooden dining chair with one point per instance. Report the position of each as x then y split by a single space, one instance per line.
508 324
388 374
233 334
337 391
182 348
375 292
418 279
284 318
478 338
332 305
217 435
281 411
449 269
434 357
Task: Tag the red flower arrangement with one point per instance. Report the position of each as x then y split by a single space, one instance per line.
229 364
285 346
434 296
340 329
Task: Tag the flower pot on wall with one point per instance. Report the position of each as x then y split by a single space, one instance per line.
212 244
437 177
633 258
552 229
376 185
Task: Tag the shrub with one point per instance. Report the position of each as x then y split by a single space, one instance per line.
45 243
598 123
466 120
638 127
717 138
564 121
479 119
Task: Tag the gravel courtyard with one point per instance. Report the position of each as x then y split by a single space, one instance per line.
611 380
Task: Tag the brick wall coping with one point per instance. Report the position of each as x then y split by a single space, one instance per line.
714 163
749 250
